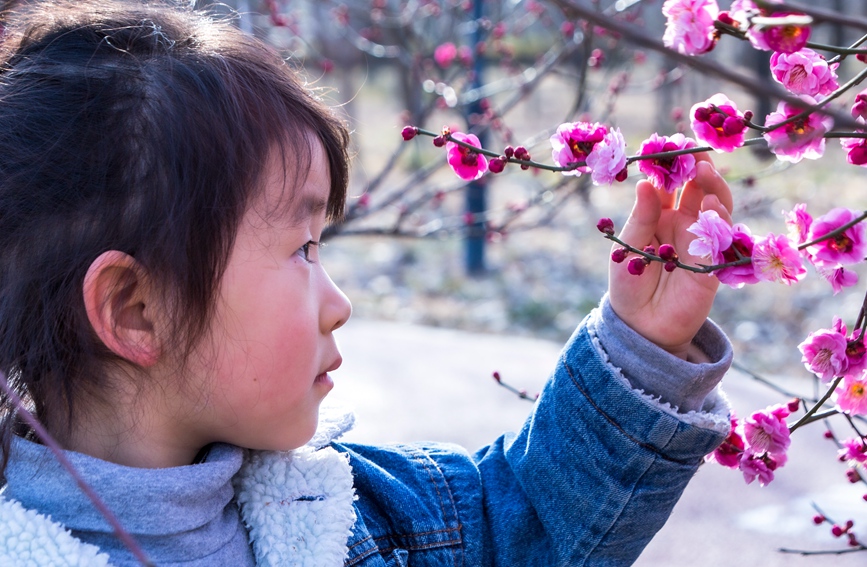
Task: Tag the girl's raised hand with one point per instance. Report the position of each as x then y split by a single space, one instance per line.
668 308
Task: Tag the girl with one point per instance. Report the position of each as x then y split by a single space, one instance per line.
164 183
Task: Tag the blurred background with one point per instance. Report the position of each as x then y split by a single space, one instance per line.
451 280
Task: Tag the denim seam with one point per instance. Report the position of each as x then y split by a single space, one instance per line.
617 426
364 555
453 512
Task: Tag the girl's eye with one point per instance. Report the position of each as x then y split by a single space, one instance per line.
309 251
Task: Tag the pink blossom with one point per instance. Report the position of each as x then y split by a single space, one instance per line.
667 173
804 72
766 431
838 277
846 248
851 395
787 38
824 354
856 150
859 109
718 123
573 142
466 163
800 139
759 467
608 158
742 247
854 451
689 26
714 235
445 54
729 453
798 220
776 260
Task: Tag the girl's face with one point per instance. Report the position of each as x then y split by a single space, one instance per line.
259 376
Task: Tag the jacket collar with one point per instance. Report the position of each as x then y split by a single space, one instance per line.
297 505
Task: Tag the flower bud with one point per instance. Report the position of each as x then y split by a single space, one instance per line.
849 525
649 250
496 376
621 175
670 266
732 126
748 115
828 435
853 475
818 519
716 119
667 252
725 18
702 114
636 265
408 133
853 541
836 530
439 141
793 405
522 153
605 225
509 151
496 165
619 255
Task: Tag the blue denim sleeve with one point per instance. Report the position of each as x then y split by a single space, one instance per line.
596 469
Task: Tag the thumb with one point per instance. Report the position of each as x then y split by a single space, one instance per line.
641 225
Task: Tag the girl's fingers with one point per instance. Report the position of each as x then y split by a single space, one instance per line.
642 223
707 182
712 202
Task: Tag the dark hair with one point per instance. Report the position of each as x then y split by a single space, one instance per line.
137 128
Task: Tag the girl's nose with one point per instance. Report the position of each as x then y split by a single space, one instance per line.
336 308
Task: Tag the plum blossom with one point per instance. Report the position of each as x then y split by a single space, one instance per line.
856 361
851 395
608 158
445 54
689 26
798 221
729 453
718 123
856 150
846 248
838 277
859 108
763 34
804 72
667 173
714 235
824 354
573 142
854 451
742 247
766 431
775 259
757 467
466 163
802 138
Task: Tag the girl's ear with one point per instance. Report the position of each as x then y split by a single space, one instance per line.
122 307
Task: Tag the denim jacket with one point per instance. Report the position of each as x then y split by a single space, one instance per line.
590 478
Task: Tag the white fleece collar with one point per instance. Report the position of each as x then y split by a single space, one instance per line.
297 505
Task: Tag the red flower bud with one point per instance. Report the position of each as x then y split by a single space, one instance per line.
716 120
794 405
522 153
853 476
409 132
605 225
667 252
733 126
649 250
619 255
836 530
621 175
853 541
702 114
818 519
439 141
828 435
670 266
636 265
725 18
509 151
496 165
748 115
496 376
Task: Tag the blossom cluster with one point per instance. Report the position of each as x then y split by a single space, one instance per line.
757 445
830 243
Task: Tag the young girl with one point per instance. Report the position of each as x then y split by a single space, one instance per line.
164 183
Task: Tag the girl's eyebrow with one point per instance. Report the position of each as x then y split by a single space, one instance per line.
309 206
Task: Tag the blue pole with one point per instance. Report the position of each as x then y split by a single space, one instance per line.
475 196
